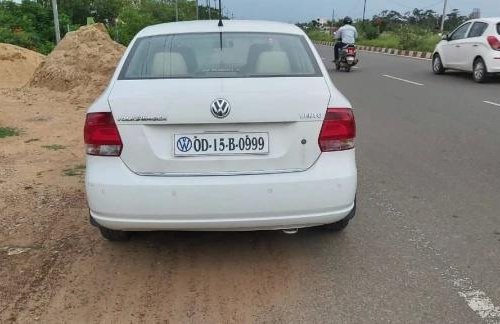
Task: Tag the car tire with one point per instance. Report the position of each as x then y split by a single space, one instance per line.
479 71
342 224
437 65
114 235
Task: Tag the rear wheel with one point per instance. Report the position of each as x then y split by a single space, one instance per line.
114 235
480 73
437 65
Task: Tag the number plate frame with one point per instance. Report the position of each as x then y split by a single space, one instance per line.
218 135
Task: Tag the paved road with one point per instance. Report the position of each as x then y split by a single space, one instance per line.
429 161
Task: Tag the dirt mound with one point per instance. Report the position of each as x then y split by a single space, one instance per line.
17 65
81 64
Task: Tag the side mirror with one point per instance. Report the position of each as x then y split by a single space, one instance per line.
445 37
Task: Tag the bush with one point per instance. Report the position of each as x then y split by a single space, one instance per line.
385 40
405 40
319 35
369 31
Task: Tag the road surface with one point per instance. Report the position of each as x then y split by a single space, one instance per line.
423 248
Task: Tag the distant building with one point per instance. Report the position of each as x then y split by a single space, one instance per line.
322 21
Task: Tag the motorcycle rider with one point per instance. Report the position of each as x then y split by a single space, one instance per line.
346 35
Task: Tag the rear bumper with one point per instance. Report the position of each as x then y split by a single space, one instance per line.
119 199
493 62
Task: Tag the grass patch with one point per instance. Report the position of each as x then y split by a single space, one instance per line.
54 147
404 41
320 36
386 40
77 170
9 131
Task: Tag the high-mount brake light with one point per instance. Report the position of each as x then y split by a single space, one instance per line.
101 135
338 131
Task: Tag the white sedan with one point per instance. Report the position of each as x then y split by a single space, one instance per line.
230 128
473 47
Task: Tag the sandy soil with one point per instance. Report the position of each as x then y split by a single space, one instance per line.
17 65
55 268
81 64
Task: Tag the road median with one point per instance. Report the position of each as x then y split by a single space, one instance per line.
389 51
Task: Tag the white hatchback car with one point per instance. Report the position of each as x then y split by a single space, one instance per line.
227 128
473 47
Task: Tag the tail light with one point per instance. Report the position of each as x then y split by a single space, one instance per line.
494 43
351 50
101 135
338 131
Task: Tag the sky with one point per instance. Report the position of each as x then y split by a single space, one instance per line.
305 10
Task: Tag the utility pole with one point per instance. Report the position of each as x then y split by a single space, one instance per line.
209 5
56 21
197 11
444 15
176 11
364 13
333 19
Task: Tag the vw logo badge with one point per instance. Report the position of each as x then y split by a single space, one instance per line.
184 144
220 108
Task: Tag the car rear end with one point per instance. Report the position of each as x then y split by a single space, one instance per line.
233 128
492 55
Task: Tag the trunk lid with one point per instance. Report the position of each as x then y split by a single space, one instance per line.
149 113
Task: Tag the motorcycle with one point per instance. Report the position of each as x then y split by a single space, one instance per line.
347 58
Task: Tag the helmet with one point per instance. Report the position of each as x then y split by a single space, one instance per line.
347 20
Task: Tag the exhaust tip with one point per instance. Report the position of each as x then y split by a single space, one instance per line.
291 231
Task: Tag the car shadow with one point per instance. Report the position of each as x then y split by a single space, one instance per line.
495 79
168 238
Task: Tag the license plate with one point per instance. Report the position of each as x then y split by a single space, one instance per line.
221 144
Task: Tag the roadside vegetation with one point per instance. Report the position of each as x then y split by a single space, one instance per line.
29 23
9 131
54 147
417 30
77 170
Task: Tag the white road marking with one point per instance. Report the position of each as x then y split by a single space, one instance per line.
482 305
476 299
492 103
403 80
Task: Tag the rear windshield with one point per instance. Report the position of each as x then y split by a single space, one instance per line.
206 55
498 29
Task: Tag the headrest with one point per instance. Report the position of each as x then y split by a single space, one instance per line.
273 62
168 65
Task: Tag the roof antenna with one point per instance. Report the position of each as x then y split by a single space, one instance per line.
220 24
220 15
